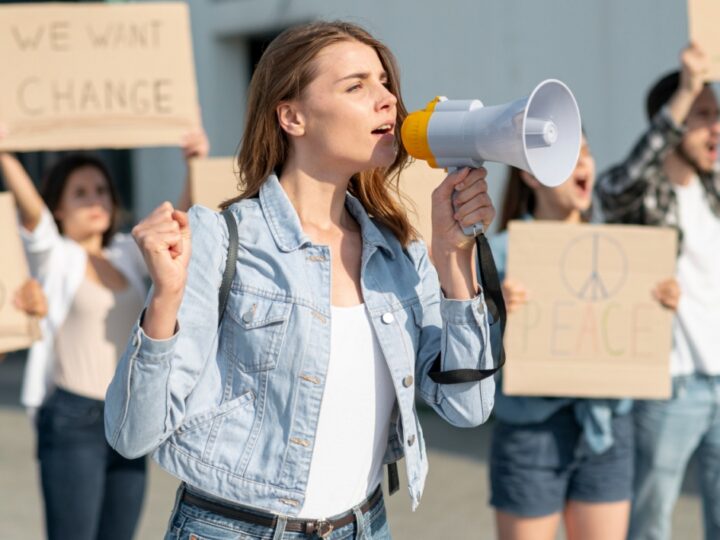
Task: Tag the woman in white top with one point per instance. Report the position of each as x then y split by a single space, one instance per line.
94 280
279 415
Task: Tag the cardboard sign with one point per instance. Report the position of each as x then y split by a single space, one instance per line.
703 17
213 181
17 330
591 327
96 75
417 183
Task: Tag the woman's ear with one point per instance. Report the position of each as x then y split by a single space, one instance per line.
290 118
529 179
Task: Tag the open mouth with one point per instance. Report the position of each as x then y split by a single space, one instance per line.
582 185
713 150
383 129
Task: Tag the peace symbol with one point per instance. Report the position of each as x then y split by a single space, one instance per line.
593 267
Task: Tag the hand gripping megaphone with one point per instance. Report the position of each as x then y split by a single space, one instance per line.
540 134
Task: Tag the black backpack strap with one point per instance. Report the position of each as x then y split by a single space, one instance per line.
496 306
230 263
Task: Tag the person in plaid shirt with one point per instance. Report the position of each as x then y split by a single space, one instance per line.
671 179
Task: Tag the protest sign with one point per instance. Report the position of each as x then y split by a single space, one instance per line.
17 330
591 327
417 182
703 17
95 75
213 181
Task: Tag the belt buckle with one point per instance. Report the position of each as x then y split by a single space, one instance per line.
323 528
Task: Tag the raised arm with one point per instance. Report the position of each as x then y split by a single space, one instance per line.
454 318
621 190
194 145
27 198
145 402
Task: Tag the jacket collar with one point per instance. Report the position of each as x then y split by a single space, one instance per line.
285 224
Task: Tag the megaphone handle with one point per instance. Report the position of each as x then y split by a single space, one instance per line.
476 228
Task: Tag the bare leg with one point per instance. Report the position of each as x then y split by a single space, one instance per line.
513 527
597 521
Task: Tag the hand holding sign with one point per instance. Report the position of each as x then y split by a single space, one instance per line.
17 329
514 294
667 292
695 67
31 299
195 145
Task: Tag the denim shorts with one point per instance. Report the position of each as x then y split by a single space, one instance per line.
536 468
189 522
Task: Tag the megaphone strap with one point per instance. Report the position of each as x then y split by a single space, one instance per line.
496 306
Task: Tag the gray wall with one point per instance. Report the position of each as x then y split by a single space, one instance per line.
607 51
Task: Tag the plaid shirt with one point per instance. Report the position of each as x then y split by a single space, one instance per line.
638 191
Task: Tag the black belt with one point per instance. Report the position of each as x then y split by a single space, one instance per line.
321 527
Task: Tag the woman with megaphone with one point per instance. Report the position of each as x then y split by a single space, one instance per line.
556 459
274 372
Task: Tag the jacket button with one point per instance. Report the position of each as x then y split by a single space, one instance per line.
247 317
411 440
407 381
387 318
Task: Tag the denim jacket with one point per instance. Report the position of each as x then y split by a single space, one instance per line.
232 409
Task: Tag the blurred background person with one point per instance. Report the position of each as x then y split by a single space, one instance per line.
94 280
557 459
671 179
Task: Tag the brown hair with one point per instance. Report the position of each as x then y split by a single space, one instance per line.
519 199
55 182
283 72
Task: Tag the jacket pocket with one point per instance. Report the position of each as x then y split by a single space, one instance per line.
197 420
197 436
254 331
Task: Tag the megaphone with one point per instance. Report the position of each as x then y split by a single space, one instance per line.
540 134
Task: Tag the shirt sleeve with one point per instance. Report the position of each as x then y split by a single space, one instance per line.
40 243
145 401
621 191
462 333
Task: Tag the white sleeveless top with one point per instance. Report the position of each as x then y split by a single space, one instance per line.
93 336
696 340
352 430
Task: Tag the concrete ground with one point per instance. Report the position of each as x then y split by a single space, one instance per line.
454 504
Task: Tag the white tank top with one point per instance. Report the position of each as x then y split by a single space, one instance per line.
93 336
352 430
696 340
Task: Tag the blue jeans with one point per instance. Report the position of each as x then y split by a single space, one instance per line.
90 491
667 433
190 523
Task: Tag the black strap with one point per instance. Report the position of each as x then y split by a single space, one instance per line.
496 306
230 263
393 477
